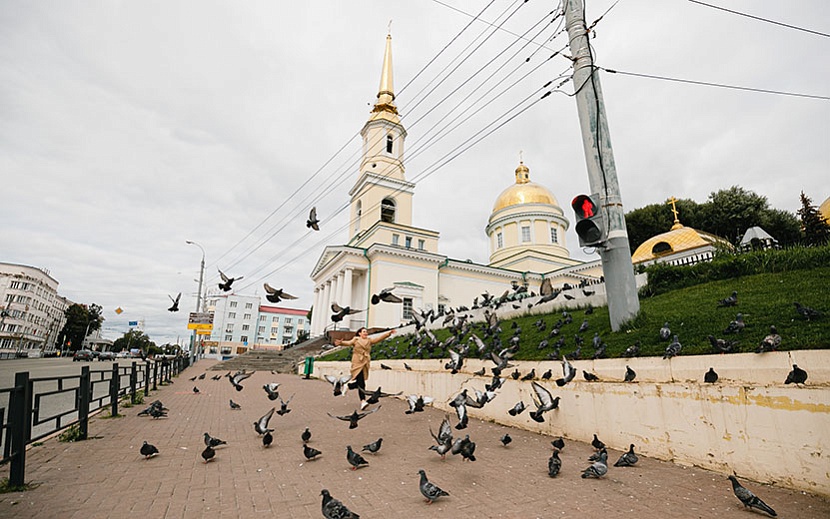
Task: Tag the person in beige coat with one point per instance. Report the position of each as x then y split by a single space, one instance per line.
361 357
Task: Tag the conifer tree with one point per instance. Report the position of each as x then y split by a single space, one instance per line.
814 226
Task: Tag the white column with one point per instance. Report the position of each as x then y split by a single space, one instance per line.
326 304
347 295
315 314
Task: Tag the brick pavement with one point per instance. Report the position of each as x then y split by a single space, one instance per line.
107 477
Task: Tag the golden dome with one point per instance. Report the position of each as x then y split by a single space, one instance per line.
679 239
824 209
524 192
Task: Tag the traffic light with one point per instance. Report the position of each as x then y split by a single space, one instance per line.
590 222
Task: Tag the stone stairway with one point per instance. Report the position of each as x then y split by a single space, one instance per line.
284 361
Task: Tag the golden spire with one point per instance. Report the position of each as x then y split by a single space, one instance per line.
386 92
522 173
677 225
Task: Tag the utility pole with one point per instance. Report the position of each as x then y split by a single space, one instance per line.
621 287
195 337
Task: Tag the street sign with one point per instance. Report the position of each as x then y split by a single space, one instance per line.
200 321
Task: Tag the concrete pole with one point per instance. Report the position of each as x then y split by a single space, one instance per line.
621 287
194 338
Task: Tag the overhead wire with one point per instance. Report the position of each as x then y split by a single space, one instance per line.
767 20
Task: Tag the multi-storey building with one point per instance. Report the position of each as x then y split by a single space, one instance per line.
32 314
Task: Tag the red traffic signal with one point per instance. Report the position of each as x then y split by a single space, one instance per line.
590 224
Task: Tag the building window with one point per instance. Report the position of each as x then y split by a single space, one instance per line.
228 338
261 330
244 338
245 327
233 304
229 328
357 212
274 330
499 240
525 233
441 308
247 317
288 320
554 236
387 210
408 242
407 308
421 244
262 318
231 315
395 239
248 306
389 141
275 319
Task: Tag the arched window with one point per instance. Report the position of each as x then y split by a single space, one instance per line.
389 141
357 213
661 248
387 210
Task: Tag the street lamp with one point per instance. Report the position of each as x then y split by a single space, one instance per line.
198 297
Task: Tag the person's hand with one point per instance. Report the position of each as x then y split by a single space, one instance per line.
392 332
337 342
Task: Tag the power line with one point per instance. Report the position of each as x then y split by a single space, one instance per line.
761 19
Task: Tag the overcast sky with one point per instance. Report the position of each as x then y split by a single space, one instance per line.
129 127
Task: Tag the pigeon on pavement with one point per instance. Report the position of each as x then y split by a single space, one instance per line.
310 452
796 376
590 377
749 499
597 444
195 390
599 468
710 377
629 459
554 464
547 375
506 439
334 509
306 435
208 453
559 443
148 450
261 425
210 441
373 447
429 490
354 458
235 406
354 417
630 374
267 439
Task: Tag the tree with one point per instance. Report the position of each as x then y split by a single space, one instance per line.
730 212
133 339
814 226
81 320
781 225
654 219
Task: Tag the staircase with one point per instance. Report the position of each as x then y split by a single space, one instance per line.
284 361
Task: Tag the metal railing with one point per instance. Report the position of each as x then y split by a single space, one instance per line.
40 407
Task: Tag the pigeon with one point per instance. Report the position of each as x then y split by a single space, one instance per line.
455 363
261 425
467 449
517 409
516 374
633 350
373 447
354 458
386 296
313 222
672 349
630 374
271 390
226 283
554 464
722 345
599 467
148 450
417 403
429 490
158 412
547 375
195 390
340 313
334 509
284 410
530 376
202 376
506 439
461 410
267 439
629 459
568 371
806 312
544 403
729 301
749 499
665 332
340 385
442 448
584 326
175 306
771 342
735 326
354 417
235 406
796 376
558 443
275 295
590 377
306 435
407 366
192 378
239 377
208 453
597 444
710 377
310 452
210 441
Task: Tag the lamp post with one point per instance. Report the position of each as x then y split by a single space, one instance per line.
198 297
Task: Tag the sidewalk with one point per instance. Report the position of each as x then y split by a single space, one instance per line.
107 477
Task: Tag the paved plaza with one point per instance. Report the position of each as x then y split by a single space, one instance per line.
107 477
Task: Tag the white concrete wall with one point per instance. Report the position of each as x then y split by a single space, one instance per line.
749 422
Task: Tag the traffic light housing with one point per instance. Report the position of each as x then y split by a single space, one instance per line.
590 221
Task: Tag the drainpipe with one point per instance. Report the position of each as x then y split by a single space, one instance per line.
368 286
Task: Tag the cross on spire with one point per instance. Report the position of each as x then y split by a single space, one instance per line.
672 202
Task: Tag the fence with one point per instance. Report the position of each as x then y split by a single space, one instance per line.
39 407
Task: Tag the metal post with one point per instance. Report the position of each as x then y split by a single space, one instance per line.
155 375
621 287
198 299
133 383
20 413
115 386
84 395
146 379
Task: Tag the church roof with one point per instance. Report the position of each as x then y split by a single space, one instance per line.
824 209
678 239
524 192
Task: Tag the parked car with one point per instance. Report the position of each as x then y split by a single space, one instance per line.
87 355
106 355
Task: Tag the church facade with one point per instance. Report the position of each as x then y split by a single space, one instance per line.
526 234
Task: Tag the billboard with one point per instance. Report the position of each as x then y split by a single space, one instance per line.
200 321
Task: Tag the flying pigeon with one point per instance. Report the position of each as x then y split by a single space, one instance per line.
339 384
386 296
517 409
334 509
597 444
599 467
590 377
429 490
629 459
275 295
630 374
417 403
796 376
749 499
354 458
208 453
267 439
238 378
506 439
729 301
665 332
554 464
460 405
722 345
235 406
312 222
771 342
310 452
210 441
806 312
672 349
175 306
735 326
558 443
306 435
455 363
226 283
354 417
710 377
271 390
373 447
284 410
261 425
340 312
148 450
568 372
544 402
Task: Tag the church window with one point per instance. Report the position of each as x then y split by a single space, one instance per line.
387 210
389 141
661 248
408 242
421 244
525 233
554 236
407 308
499 240
441 308
395 239
357 212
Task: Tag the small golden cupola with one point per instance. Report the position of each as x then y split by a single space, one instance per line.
524 192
